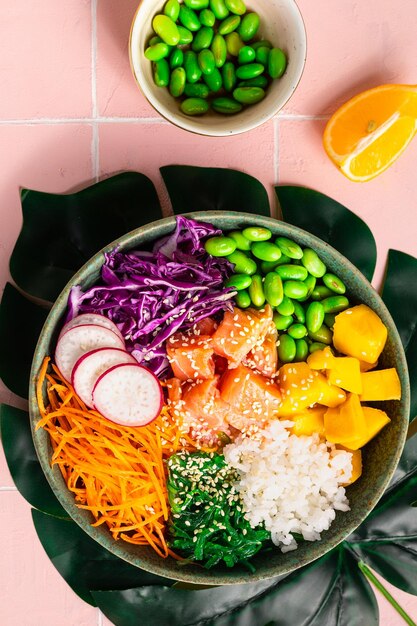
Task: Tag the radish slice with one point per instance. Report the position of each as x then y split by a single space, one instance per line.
81 339
91 318
129 395
91 366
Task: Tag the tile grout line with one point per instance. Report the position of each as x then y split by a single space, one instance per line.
94 105
8 488
134 120
100 618
276 151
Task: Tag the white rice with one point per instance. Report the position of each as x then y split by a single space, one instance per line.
290 484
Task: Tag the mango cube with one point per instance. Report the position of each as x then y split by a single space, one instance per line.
359 332
380 385
308 422
345 422
375 421
321 359
356 465
345 372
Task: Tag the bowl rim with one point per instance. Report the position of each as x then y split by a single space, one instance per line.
125 243
218 133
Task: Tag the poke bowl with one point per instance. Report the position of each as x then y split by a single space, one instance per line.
222 440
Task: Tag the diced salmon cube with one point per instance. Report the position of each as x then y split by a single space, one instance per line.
191 358
239 332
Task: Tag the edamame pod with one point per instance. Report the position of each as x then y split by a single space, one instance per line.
265 251
297 331
282 322
203 39
256 291
197 5
176 58
329 320
316 345
186 36
213 80
242 299
220 246
286 349
192 69
268 266
292 272
301 350
207 17
289 247
299 312
246 55
257 233
226 106
194 106
189 18
239 281
161 73
236 6
262 43
196 90
334 283
310 283
172 9
286 307
249 71
277 63
273 289
314 316
320 292
335 304
234 43
219 50
219 9
206 61
177 82
157 52
295 289
248 95
167 29
241 242
323 335
242 263
154 40
262 55
229 76
229 25
249 26
258 81
313 264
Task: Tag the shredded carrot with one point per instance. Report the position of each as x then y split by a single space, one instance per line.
116 472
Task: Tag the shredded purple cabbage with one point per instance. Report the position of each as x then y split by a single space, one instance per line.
152 295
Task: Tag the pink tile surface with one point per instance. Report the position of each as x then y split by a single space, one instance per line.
68 60
141 146
117 93
45 52
353 46
32 593
53 158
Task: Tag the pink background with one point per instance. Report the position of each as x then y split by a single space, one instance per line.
70 114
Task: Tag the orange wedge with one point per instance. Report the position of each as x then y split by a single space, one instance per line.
370 131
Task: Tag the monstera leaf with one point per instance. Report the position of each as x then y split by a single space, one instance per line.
59 234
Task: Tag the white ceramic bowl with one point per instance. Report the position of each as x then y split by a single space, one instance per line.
281 23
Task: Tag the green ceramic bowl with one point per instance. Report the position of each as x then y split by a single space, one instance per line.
380 456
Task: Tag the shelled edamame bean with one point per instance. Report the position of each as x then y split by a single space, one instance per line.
293 280
215 46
